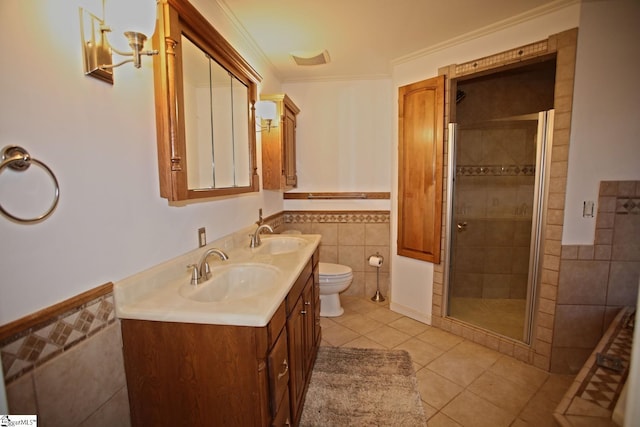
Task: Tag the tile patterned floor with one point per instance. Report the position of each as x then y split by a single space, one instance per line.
461 383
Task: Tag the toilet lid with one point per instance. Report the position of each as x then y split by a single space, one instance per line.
329 269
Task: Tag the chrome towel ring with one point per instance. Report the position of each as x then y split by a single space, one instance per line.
19 159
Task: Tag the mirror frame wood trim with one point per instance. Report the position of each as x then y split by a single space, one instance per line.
177 17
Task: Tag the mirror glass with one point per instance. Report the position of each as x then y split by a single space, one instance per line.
216 106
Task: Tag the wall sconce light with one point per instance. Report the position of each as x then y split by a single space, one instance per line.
135 19
267 111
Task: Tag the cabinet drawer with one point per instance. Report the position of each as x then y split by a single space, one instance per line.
278 371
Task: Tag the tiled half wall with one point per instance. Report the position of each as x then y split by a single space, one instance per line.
349 238
65 363
596 281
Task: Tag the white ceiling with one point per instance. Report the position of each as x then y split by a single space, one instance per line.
363 37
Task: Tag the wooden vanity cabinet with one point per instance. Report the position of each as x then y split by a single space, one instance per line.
279 145
200 374
303 328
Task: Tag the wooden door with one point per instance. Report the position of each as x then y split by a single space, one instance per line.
420 168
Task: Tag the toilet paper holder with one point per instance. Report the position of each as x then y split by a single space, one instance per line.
376 261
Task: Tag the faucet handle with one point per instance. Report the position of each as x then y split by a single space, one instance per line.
195 275
206 274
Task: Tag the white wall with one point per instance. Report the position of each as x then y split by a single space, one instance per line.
605 142
344 141
100 141
411 280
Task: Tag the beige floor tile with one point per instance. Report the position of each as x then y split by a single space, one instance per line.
473 411
429 411
409 326
364 342
478 354
383 315
440 338
326 322
519 372
441 420
461 383
539 411
520 423
357 304
436 390
421 352
338 335
501 392
462 370
388 336
358 323
556 386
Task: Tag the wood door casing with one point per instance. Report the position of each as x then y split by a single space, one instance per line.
420 166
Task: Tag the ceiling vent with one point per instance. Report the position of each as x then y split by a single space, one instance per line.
311 58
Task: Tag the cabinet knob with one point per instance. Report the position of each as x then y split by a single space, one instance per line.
303 312
307 303
285 364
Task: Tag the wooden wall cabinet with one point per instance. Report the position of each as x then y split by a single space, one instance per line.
199 374
279 145
420 169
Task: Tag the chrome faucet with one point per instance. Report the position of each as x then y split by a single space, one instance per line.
202 270
255 237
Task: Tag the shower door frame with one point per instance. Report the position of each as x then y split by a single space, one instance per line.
544 145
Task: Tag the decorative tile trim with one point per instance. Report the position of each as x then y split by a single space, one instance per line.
496 170
628 205
507 57
298 217
595 390
48 334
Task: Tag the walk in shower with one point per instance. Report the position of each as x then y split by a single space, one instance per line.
497 169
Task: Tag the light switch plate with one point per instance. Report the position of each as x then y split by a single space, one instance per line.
202 237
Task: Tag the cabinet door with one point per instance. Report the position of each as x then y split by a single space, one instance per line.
309 325
295 332
278 372
420 163
289 152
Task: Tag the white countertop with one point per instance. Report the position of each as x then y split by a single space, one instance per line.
155 294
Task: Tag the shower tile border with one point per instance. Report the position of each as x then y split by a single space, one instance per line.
29 342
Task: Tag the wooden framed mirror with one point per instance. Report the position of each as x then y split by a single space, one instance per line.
205 95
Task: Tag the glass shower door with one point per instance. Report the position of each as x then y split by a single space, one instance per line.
496 182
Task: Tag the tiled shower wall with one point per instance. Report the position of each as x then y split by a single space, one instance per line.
595 281
493 206
349 238
67 366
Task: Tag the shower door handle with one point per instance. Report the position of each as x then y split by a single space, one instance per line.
462 226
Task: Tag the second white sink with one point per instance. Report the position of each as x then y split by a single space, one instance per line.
233 282
277 245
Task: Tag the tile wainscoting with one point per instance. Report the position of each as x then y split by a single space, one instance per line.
596 281
65 363
349 238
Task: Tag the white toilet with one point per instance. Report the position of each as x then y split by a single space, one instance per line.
334 278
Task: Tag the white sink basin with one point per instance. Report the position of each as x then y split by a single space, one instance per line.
277 245
233 282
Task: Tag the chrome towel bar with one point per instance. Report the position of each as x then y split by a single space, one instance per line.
19 159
